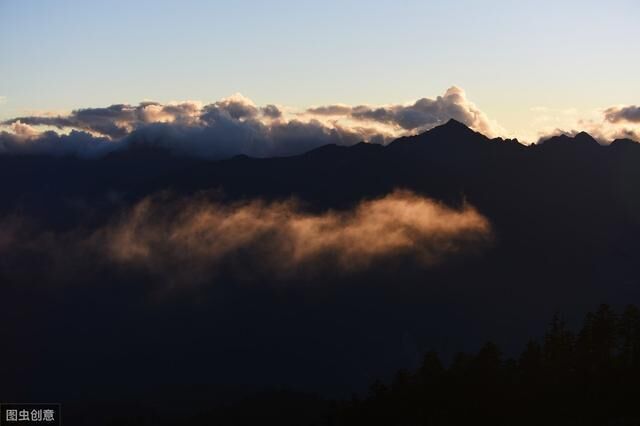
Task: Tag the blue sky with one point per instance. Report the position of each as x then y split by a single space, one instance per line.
509 56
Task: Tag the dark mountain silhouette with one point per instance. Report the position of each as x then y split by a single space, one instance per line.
624 144
565 218
582 140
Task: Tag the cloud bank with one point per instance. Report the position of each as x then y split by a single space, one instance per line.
236 125
192 240
232 126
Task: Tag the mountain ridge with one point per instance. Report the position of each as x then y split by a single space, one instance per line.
456 132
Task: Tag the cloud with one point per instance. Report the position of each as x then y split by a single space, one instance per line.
337 109
25 140
223 129
22 130
3 99
236 106
271 111
225 136
618 114
281 237
231 126
421 115
192 240
116 121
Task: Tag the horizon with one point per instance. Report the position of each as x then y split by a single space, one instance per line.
237 126
83 144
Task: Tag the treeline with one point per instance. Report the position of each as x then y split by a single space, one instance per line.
591 377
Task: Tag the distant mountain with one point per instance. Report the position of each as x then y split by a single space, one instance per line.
565 220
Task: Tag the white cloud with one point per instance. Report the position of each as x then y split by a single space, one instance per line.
234 125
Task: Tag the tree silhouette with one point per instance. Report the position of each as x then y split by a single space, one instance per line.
588 378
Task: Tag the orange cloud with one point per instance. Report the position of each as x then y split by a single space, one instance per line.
197 236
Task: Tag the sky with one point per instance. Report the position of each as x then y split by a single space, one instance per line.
529 66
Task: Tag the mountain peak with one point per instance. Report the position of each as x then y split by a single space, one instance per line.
451 135
454 131
582 138
452 128
452 123
618 143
